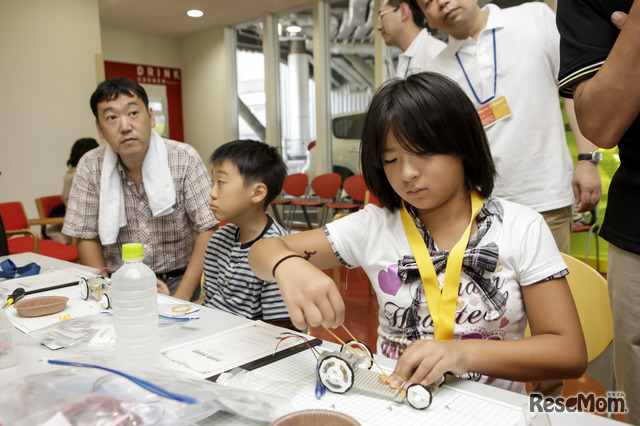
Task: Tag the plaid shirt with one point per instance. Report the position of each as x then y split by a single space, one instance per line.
168 240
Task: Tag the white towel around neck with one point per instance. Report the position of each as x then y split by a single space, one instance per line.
157 181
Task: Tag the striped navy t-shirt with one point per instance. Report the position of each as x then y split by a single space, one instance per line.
229 283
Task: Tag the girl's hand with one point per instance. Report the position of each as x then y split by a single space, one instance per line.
311 297
426 360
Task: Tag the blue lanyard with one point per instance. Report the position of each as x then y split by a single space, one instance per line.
407 70
9 270
495 73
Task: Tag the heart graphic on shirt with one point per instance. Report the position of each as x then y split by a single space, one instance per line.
474 302
504 322
389 281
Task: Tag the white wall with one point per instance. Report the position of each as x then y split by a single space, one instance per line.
209 88
135 48
47 74
207 61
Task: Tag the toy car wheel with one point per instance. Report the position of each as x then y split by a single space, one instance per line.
419 396
336 374
84 288
105 301
361 349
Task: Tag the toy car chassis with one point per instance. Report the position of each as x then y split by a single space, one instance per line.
97 287
340 371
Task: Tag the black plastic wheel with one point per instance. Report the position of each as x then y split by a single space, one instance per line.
84 288
336 374
361 349
105 301
419 396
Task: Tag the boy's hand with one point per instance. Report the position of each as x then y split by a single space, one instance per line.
162 287
313 300
426 360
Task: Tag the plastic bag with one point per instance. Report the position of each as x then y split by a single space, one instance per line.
84 396
91 331
76 332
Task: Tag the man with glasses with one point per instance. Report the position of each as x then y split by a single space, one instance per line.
507 61
403 26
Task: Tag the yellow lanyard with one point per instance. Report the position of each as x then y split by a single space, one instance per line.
442 305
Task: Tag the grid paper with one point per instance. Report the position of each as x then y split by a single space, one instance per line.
294 379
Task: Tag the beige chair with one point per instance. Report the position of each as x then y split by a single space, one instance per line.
591 227
590 294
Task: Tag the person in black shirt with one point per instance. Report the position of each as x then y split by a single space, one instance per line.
600 69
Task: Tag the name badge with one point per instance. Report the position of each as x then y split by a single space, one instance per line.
494 111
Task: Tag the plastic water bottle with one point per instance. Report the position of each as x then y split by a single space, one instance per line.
135 311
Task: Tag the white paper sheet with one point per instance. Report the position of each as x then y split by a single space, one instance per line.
76 307
220 352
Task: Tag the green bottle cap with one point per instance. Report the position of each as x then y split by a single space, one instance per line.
132 251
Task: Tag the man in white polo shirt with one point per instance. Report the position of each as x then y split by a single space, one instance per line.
507 62
402 25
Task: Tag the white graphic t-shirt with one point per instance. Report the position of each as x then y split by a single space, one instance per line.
513 248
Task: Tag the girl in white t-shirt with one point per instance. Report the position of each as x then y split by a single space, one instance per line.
454 270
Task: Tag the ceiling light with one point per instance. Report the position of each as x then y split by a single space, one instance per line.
194 13
293 27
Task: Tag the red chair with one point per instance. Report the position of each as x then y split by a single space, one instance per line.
370 198
326 187
294 185
16 223
46 204
356 189
4 246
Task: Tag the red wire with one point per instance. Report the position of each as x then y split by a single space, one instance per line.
299 337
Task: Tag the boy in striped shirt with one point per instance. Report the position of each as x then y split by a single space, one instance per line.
247 175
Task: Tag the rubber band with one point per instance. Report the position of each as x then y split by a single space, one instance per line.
386 376
181 309
307 255
273 271
383 379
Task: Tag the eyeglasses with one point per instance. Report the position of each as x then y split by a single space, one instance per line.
381 13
